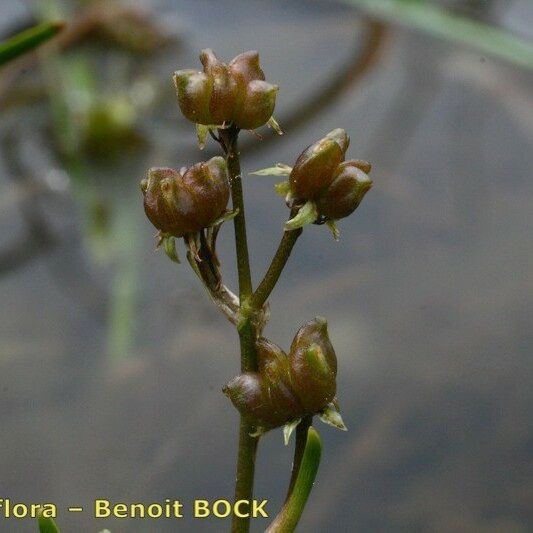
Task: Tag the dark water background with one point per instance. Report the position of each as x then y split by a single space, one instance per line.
110 370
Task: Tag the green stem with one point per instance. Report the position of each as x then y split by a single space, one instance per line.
277 265
247 330
28 40
229 141
289 516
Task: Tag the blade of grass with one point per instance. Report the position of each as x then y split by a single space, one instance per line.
123 299
441 23
288 518
47 525
28 40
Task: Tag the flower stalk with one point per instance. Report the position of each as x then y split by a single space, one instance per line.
276 267
275 389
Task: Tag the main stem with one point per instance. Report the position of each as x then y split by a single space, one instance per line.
247 335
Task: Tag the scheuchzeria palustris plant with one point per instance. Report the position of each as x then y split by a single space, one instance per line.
274 389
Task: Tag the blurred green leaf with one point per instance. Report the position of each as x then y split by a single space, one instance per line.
28 40
441 23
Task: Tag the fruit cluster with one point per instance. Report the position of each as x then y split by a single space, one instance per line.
235 93
183 202
321 175
288 387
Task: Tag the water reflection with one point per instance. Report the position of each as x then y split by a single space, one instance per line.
428 297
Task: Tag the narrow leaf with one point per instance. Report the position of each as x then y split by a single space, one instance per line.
46 525
288 518
437 21
28 40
